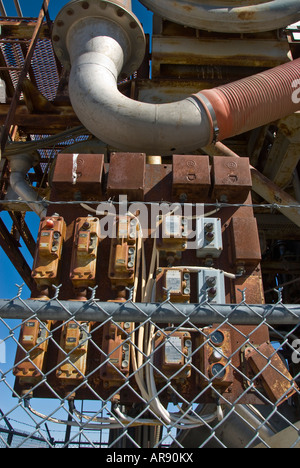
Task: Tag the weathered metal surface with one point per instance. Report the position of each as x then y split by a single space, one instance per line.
275 378
21 28
127 175
266 188
191 177
185 50
284 155
231 179
40 125
245 241
78 175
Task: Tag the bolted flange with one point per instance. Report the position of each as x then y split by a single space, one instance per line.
114 11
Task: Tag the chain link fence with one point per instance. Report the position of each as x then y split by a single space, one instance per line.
133 375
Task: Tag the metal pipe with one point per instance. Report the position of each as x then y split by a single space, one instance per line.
20 164
204 314
100 48
228 16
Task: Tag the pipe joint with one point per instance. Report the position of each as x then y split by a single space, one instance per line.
88 17
20 164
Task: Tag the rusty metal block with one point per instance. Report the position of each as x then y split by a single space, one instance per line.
115 362
231 179
72 356
46 267
245 241
30 355
172 355
84 252
126 175
276 380
78 175
123 253
191 176
174 282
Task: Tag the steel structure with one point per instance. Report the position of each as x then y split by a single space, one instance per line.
164 174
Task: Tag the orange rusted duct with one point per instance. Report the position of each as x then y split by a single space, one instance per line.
256 100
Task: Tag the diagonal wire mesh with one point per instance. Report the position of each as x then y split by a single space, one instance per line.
113 383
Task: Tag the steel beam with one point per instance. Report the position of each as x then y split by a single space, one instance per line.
11 249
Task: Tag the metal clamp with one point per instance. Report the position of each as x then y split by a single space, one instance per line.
204 102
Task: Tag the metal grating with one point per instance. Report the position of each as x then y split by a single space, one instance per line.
45 69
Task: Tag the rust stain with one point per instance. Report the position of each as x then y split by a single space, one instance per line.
247 15
187 8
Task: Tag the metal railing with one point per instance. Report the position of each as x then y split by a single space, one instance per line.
176 383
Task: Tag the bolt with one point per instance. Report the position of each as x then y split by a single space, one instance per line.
209 227
212 292
211 281
210 236
86 226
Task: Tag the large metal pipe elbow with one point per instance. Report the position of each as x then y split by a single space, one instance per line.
228 16
101 41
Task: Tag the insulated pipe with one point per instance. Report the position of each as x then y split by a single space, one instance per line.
20 165
228 16
98 46
256 100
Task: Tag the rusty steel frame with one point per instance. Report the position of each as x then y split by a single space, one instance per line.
264 187
22 76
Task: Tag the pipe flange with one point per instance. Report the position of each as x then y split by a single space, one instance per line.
77 10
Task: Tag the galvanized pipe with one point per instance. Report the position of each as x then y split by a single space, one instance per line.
197 314
228 16
20 164
99 46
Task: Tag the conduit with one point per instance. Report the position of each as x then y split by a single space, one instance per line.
248 16
103 39
19 165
